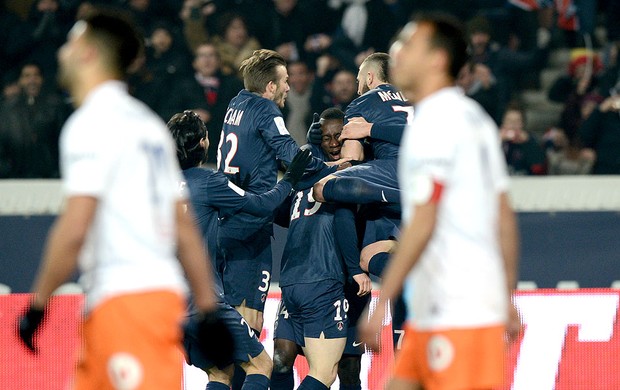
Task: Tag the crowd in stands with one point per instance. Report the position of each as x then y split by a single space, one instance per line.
194 48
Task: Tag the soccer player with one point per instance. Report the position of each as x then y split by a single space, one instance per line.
253 138
123 223
287 330
458 249
383 105
212 194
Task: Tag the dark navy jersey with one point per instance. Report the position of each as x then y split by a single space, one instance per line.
212 196
383 105
310 254
253 137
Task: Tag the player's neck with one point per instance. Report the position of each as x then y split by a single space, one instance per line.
430 86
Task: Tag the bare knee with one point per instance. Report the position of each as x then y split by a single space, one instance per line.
260 364
284 354
317 191
222 376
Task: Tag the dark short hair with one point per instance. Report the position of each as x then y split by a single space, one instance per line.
188 129
260 69
332 113
114 31
448 35
382 63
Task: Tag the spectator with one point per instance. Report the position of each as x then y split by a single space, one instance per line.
38 39
338 92
571 89
601 134
8 24
366 27
30 124
207 93
478 83
507 64
166 63
297 112
285 28
233 41
524 156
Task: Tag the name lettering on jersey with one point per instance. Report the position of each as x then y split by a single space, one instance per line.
389 95
233 117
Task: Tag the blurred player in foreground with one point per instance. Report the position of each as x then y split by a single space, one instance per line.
458 250
123 223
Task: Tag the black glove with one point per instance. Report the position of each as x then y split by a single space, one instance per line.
314 135
215 339
297 167
29 322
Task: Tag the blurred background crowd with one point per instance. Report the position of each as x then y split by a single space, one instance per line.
545 70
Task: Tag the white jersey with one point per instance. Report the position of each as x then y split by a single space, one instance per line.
115 149
459 280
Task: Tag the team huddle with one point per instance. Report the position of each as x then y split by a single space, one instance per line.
342 197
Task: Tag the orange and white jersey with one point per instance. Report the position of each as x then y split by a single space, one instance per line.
115 149
451 155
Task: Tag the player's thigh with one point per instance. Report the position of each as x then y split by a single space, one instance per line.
323 352
247 345
133 341
247 279
380 172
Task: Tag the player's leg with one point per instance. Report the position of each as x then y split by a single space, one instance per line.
257 372
323 356
349 368
321 309
247 273
374 181
285 350
284 354
249 353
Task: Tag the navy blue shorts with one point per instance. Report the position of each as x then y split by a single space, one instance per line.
382 172
315 309
246 342
283 327
356 307
247 269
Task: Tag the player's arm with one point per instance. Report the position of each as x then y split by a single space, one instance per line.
414 239
63 246
194 259
359 128
352 149
509 244
60 255
347 241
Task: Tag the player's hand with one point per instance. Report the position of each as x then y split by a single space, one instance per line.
356 128
297 167
29 323
370 331
315 134
364 282
215 339
514 326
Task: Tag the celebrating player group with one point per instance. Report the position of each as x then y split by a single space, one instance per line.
407 184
